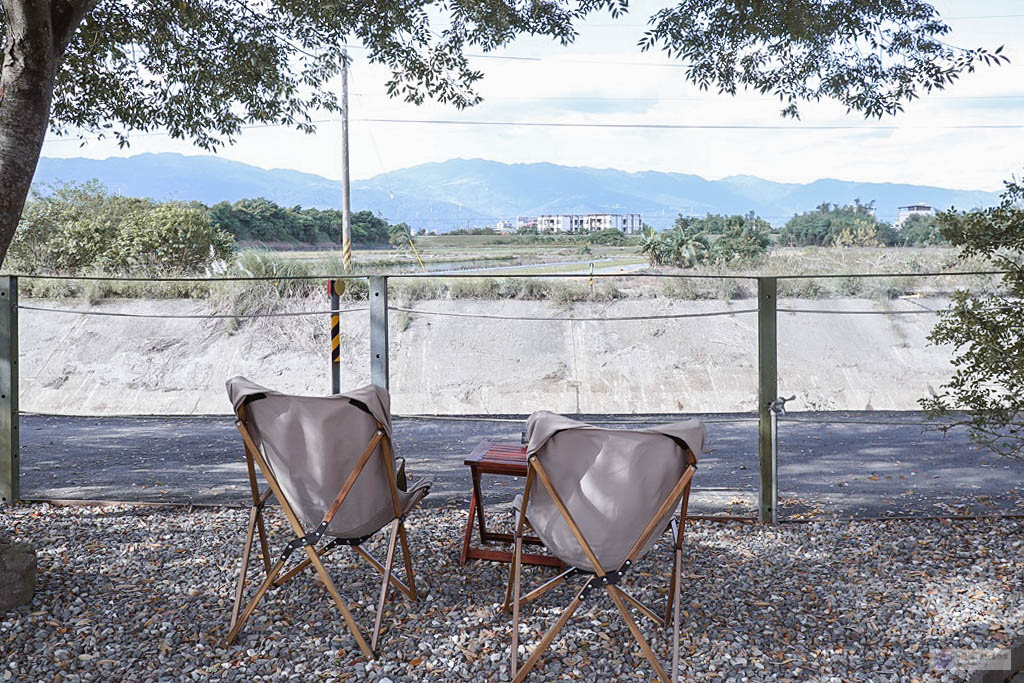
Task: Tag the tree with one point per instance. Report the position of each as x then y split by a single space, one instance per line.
172 237
920 230
713 239
203 69
845 226
399 236
79 227
986 329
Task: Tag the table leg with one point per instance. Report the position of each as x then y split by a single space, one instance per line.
479 498
468 535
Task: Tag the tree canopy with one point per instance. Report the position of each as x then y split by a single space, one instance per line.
714 239
261 220
986 329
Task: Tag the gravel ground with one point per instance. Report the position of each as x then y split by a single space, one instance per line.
128 593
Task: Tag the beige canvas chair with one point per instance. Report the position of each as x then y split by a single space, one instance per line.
599 499
329 463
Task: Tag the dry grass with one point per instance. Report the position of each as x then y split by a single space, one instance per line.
248 297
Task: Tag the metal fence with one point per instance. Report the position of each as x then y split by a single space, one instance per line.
767 310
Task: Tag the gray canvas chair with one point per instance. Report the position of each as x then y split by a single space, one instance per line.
329 463
599 499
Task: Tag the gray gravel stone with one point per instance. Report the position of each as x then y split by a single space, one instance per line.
139 594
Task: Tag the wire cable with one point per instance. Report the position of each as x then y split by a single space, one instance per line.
485 274
488 316
833 311
213 316
520 420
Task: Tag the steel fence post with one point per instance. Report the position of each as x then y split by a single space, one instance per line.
379 331
767 391
332 287
10 489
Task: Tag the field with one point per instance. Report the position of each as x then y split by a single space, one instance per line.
621 273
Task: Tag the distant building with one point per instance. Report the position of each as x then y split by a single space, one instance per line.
912 210
526 223
628 223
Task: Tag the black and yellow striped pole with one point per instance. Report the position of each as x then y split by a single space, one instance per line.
335 288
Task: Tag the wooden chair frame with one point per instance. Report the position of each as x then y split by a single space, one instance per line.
679 495
308 540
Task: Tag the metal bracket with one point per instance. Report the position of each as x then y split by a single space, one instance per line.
310 539
778 406
609 579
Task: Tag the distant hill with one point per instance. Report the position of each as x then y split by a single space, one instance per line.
472 192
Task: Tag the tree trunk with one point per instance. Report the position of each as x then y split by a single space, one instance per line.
37 33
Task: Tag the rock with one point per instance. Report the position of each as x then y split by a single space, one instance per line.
17 574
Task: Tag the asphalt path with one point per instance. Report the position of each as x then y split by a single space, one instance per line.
831 464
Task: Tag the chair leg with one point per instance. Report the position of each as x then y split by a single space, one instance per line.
352 626
388 564
245 567
674 597
513 586
410 575
673 584
613 591
262 529
233 633
507 604
548 637
395 581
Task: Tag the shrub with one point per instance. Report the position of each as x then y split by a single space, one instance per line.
168 237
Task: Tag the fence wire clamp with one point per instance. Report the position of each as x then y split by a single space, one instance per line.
778 406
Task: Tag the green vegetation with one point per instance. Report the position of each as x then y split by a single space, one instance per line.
261 220
922 231
716 240
82 228
987 329
399 236
855 225
844 226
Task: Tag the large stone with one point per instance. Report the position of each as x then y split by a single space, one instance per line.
17 574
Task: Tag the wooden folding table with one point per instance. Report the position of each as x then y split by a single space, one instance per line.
508 459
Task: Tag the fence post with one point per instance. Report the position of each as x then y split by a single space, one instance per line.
379 331
767 391
332 286
9 468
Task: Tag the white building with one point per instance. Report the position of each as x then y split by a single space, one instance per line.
912 210
526 222
628 223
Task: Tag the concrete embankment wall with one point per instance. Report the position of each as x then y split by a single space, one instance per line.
91 365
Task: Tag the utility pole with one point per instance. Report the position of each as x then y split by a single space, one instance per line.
346 209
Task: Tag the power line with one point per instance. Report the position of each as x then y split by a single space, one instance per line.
691 98
688 126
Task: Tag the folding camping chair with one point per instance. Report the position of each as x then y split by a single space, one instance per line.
604 498
329 463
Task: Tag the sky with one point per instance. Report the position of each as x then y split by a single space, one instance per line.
604 78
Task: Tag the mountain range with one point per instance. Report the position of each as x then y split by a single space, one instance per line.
474 192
